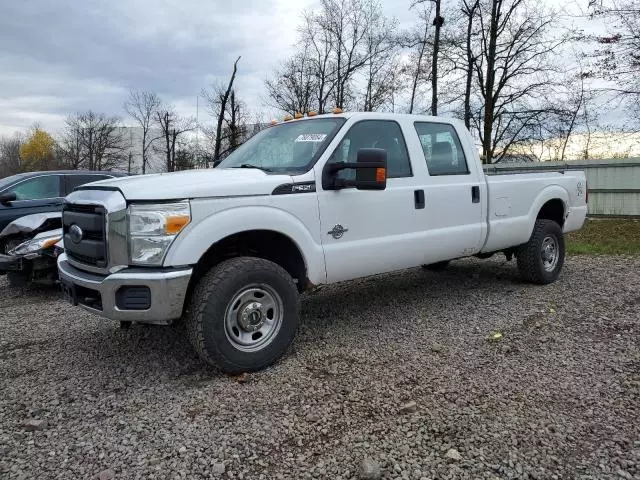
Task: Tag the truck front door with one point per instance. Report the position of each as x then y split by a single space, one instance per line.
368 232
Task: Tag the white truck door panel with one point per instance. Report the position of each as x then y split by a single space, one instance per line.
381 230
369 232
455 194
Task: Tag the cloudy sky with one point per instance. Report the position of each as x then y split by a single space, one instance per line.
63 56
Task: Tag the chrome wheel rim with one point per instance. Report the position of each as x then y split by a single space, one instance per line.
550 253
253 317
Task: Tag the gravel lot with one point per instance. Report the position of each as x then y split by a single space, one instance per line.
558 396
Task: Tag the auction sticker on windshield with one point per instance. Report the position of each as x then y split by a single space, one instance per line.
311 137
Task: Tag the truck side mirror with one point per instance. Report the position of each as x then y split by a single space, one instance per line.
5 198
370 167
371 172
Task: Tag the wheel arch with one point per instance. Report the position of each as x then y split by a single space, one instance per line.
550 204
268 244
267 232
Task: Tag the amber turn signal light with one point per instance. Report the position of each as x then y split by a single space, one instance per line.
176 223
381 175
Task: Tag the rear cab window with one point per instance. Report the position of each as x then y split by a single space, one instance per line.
442 149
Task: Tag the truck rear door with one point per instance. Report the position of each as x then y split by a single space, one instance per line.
455 193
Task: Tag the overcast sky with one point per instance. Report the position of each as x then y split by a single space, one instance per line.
64 56
59 57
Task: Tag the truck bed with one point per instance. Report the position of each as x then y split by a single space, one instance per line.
514 200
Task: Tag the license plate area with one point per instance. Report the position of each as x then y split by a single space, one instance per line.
69 292
79 295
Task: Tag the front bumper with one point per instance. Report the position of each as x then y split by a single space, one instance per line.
167 290
10 263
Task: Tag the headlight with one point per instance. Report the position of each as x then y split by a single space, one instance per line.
152 229
31 246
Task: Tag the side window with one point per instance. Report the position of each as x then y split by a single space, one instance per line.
374 134
442 149
47 186
74 181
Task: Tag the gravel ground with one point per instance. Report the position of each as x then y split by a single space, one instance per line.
393 377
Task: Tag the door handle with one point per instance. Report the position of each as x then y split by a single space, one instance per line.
475 194
418 197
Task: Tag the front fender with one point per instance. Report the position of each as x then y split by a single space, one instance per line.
196 239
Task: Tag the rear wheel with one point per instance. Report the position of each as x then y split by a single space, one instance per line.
243 314
540 260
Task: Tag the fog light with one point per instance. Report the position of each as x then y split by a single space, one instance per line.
133 298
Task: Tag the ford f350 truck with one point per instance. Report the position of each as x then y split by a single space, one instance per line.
310 201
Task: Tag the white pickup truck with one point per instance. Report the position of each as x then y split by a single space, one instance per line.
310 201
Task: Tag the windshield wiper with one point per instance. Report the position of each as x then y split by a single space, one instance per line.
248 165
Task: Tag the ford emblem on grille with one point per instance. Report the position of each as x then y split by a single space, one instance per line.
76 233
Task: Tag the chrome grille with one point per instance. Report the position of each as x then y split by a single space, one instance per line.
91 249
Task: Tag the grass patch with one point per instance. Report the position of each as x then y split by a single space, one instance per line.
605 236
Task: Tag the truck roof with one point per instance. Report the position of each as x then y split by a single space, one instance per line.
379 116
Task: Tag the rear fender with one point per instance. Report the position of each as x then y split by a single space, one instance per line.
552 192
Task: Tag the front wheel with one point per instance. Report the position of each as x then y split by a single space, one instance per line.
243 314
541 258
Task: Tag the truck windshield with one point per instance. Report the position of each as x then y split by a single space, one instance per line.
288 147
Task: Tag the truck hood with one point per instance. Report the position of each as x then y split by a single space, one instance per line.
219 182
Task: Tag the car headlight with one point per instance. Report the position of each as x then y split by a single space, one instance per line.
34 245
152 229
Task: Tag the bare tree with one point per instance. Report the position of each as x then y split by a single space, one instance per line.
438 21
418 42
469 9
513 71
172 129
98 141
10 156
142 106
293 86
320 50
217 100
618 52
381 71
346 22
237 123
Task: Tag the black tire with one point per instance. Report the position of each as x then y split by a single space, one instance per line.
437 267
206 319
533 263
